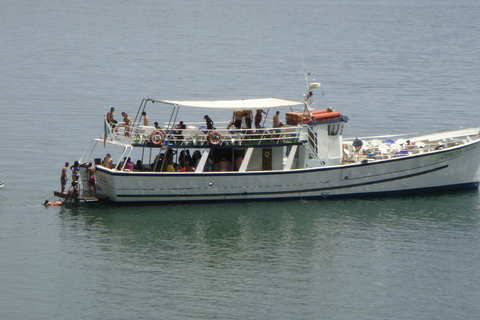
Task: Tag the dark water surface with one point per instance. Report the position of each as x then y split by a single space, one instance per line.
391 66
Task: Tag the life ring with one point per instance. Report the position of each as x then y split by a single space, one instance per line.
118 127
214 138
157 137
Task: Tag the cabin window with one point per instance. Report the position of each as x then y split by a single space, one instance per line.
334 129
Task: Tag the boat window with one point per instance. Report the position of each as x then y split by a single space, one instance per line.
333 129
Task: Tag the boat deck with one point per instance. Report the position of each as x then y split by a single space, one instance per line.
85 199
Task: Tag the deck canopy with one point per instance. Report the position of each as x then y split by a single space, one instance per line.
246 104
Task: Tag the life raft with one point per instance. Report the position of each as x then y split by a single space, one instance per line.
157 137
214 138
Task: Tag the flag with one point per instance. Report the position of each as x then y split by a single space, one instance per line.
106 131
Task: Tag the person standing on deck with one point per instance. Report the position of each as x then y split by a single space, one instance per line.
91 179
127 122
237 118
107 162
248 118
258 118
209 122
145 118
63 177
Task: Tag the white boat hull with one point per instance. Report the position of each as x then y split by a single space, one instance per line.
451 169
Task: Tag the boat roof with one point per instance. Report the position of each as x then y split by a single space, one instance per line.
244 104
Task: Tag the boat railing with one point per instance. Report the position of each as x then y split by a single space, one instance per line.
142 135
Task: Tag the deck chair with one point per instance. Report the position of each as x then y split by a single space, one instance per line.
402 153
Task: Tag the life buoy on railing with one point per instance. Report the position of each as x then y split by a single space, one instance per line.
157 137
117 127
214 138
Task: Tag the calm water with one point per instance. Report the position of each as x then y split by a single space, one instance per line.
391 66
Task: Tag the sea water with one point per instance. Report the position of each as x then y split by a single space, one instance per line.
391 66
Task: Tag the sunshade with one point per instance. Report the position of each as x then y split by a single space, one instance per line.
246 104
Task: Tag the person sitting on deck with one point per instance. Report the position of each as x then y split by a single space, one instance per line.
170 165
110 119
129 165
409 145
74 192
187 168
357 144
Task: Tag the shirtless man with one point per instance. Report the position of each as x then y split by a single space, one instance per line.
107 162
110 117
91 178
237 117
63 177
145 118
276 120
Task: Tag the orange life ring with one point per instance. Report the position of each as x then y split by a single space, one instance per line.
157 137
214 138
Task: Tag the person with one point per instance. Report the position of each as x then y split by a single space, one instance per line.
158 162
187 168
258 118
170 165
357 144
63 177
52 203
276 120
237 118
107 162
179 128
409 145
223 164
129 165
110 119
145 118
248 118
127 122
75 171
73 192
156 125
139 165
329 109
91 179
209 122
196 158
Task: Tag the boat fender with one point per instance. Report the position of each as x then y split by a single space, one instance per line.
157 137
214 138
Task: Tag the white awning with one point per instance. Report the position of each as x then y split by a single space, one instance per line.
246 104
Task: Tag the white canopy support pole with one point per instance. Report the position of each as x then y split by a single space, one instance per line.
291 157
246 160
203 161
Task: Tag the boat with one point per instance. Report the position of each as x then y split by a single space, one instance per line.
305 157
1 184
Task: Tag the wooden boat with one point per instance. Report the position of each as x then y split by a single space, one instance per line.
306 157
